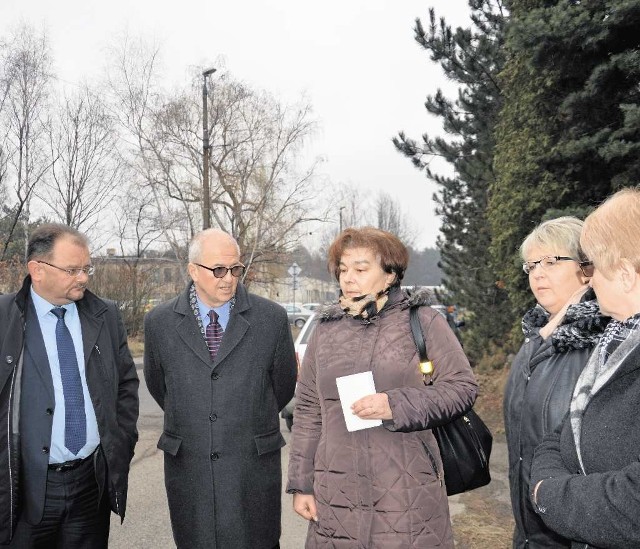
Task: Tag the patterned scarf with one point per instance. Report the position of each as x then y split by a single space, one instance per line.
618 340
580 328
193 301
364 306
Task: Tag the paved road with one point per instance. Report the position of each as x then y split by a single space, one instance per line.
147 522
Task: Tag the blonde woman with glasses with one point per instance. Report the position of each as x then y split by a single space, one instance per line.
586 476
559 334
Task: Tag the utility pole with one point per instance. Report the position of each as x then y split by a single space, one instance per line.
206 196
341 208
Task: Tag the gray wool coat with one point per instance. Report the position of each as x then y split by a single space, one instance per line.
221 438
378 488
598 505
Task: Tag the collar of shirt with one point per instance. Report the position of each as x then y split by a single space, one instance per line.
43 307
224 311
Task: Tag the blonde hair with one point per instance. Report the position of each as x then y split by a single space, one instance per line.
610 233
562 235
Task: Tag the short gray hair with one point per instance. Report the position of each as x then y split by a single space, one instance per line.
560 235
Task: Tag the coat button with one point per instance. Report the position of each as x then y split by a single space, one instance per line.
45 449
215 456
215 375
213 417
49 411
9 359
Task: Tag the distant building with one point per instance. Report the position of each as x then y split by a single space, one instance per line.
309 290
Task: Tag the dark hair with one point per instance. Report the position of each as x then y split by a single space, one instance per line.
387 247
44 237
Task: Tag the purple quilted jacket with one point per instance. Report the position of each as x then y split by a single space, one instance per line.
380 487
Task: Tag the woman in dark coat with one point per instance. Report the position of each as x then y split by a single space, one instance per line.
586 477
380 487
560 332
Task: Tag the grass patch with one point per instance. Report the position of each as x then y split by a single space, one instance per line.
487 521
482 525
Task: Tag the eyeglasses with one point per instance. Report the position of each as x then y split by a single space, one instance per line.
545 262
221 272
74 271
587 268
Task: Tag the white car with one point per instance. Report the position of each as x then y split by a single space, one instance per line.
298 315
300 346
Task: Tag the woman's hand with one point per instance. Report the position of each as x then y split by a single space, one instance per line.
305 506
373 407
556 319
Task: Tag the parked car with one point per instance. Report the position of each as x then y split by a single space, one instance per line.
311 306
297 314
300 345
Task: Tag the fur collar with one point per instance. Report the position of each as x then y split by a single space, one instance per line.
397 298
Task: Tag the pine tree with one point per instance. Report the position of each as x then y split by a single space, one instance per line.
569 131
471 57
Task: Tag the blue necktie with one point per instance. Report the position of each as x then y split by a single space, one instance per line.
75 421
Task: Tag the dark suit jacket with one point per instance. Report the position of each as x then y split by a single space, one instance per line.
26 399
221 427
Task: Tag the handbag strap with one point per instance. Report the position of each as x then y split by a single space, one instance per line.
418 334
426 366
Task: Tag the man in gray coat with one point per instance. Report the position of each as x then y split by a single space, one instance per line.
220 363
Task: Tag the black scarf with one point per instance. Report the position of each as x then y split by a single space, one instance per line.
581 327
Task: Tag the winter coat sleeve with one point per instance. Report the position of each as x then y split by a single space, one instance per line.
454 387
127 404
600 509
307 426
153 371
283 371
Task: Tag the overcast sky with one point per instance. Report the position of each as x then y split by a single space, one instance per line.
355 60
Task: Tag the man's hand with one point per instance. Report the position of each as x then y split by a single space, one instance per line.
373 407
305 506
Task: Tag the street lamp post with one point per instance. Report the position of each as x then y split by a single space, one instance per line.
206 197
341 208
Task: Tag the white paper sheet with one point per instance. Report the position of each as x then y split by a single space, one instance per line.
350 389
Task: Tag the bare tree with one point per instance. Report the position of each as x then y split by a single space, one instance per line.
257 193
391 218
86 167
139 103
127 279
26 66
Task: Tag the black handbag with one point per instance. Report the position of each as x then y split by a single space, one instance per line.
465 442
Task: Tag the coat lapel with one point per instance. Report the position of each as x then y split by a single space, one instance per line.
188 331
237 327
34 347
91 322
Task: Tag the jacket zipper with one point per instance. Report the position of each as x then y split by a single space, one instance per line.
476 439
9 438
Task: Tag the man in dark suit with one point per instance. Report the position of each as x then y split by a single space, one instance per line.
220 363
68 402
